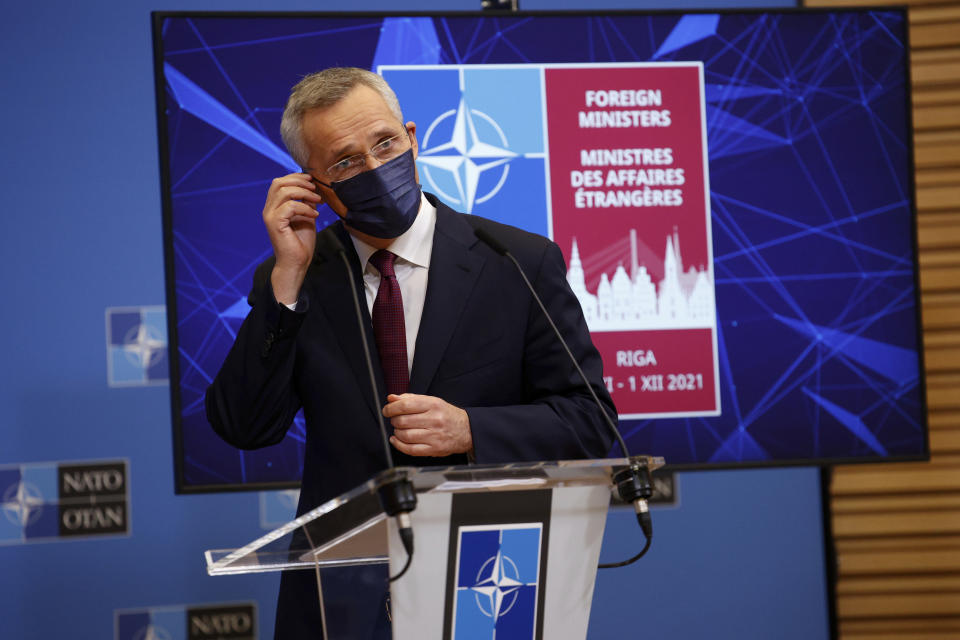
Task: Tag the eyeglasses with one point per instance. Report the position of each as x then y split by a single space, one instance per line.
382 152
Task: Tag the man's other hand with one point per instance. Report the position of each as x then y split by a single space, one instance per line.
427 426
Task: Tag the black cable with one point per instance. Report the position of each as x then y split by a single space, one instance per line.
647 526
404 570
614 565
406 536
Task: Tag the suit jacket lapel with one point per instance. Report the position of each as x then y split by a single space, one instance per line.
454 270
331 287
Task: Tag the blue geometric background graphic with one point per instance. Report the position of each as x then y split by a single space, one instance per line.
810 191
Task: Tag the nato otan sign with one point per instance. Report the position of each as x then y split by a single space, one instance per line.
63 500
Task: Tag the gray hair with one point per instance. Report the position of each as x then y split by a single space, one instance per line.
324 89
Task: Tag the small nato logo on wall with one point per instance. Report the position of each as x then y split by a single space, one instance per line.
58 501
137 346
206 622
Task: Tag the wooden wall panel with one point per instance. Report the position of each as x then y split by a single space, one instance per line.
941 311
897 526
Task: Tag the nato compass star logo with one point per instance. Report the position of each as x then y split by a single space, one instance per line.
152 632
144 346
482 137
465 157
137 346
22 504
28 499
497 585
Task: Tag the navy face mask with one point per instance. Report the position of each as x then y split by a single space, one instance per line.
382 202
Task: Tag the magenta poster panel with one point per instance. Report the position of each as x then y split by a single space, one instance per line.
630 209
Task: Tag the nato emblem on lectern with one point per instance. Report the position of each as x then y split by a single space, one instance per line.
497 580
51 501
481 138
137 346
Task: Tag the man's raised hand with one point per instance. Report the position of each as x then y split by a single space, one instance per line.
290 215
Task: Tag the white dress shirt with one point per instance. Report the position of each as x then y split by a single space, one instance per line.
413 250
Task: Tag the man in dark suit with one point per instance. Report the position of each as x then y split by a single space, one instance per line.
471 368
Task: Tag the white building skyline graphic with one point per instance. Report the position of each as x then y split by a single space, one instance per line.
629 302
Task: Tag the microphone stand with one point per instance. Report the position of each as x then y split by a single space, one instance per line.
633 482
397 496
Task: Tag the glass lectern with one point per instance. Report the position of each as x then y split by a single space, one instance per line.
512 548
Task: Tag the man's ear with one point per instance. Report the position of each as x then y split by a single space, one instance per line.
412 132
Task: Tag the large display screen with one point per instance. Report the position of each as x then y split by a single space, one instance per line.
732 193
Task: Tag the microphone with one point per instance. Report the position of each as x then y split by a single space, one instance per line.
633 481
397 496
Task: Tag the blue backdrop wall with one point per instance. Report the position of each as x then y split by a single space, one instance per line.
740 556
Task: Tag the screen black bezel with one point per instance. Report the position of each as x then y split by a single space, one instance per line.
157 19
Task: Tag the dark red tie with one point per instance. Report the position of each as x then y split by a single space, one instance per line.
388 326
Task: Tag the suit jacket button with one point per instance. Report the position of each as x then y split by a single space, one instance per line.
268 344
